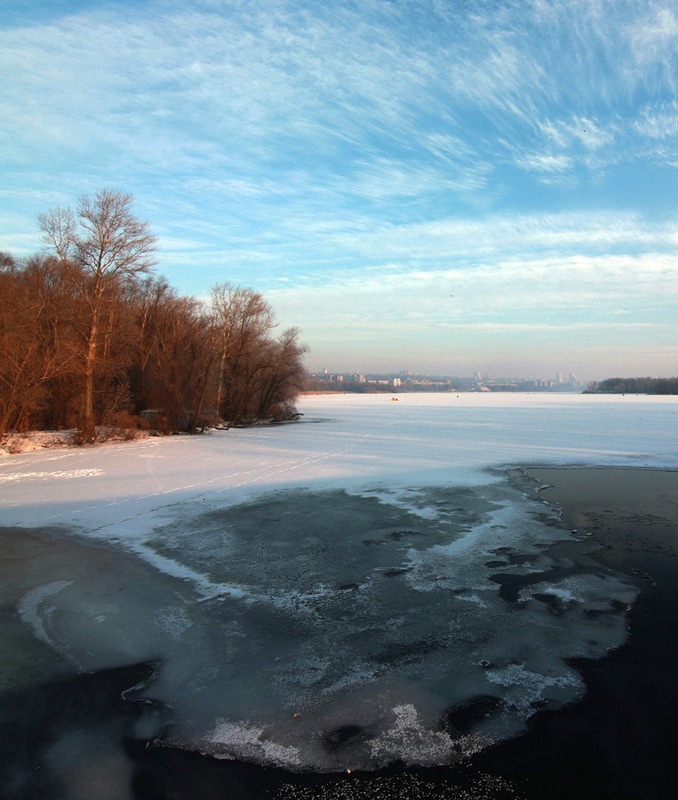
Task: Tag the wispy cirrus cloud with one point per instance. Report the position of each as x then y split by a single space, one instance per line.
659 122
270 81
581 301
653 38
289 142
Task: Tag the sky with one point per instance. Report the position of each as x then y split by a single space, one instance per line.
440 186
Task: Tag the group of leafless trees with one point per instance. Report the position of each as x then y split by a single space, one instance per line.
90 337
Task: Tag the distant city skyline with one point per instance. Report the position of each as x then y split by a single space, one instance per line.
447 186
403 376
558 375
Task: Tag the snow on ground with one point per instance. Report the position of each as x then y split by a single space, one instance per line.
360 440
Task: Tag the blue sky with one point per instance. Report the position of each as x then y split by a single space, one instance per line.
433 185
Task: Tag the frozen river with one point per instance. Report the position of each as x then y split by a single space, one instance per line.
378 583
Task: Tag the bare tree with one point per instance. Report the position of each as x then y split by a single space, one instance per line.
283 376
178 370
241 322
36 339
102 245
85 332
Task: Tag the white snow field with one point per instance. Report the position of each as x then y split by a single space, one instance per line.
378 582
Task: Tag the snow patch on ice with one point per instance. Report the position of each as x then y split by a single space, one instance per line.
442 566
472 598
526 689
174 621
413 742
585 592
56 474
250 743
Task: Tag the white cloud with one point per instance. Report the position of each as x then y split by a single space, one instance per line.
468 240
546 163
262 82
364 154
659 122
560 293
654 37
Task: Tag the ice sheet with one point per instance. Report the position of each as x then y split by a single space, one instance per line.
335 595
120 490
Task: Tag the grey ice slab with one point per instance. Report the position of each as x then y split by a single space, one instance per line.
349 630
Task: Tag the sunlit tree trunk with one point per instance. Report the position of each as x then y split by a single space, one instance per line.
107 245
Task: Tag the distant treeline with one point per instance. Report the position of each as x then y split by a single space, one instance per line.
90 339
634 386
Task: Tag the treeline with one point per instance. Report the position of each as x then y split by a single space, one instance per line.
91 338
634 386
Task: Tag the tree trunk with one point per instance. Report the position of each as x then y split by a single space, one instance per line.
88 421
